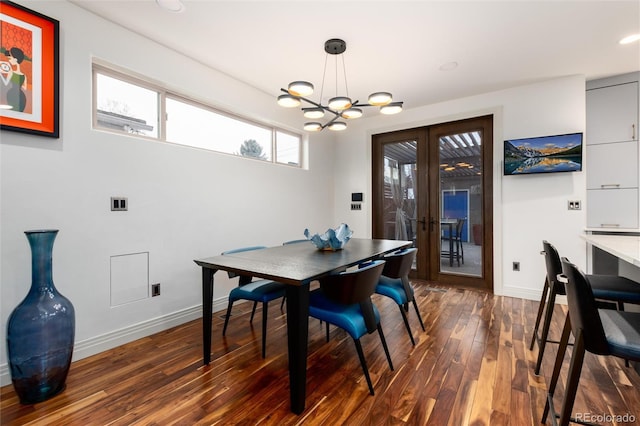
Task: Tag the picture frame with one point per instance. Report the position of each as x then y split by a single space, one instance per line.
29 71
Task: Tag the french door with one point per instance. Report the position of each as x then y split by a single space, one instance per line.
433 186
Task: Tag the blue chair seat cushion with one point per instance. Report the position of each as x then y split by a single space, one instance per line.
611 287
258 291
393 288
623 332
347 317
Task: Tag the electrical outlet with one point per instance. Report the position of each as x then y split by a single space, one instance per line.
516 266
155 290
119 204
356 206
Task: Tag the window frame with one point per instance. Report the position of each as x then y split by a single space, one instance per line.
163 94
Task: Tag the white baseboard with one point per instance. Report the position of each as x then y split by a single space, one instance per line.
97 344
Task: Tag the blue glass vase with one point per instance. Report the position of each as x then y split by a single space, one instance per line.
41 329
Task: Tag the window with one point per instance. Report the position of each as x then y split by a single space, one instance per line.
130 105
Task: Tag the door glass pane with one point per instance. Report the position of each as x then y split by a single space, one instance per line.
400 191
461 203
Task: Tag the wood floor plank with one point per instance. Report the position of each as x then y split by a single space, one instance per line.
472 366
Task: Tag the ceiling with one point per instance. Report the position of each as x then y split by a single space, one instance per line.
395 46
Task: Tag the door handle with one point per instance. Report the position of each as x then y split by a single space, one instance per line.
423 222
432 224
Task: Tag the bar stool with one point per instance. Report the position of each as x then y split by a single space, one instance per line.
599 331
612 288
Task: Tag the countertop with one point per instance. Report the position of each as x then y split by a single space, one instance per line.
625 247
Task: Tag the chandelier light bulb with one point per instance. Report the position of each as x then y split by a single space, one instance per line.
300 88
339 103
337 126
312 126
380 98
392 108
288 101
313 112
352 113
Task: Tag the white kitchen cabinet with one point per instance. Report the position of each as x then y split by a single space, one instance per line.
612 113
612 208
612 165
612 156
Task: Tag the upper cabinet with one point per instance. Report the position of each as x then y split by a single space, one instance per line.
612 114
612 155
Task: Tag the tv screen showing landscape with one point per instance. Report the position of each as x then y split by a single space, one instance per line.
544 154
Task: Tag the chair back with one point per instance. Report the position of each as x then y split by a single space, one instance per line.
355 287
399 263
554 266
244 279
583 311
459 226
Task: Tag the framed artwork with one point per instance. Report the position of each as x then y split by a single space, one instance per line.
29 67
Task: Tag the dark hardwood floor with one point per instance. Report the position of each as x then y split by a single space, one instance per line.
471 367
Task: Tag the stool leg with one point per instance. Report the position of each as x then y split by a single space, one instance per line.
542 342
543 299
564 341
575 367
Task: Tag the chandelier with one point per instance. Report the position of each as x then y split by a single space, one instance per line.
339 107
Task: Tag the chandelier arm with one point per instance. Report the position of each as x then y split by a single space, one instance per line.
315 104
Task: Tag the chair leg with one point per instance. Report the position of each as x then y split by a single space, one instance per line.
226 317
562 349
543 299
253 311
542 342
415 305
265 310
462 252
384 345
406 325
363 363
284 299
327 331
575 367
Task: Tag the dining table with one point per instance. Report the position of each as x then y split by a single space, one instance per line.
296 265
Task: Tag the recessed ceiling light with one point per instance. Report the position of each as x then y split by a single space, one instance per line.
630 39
449 66
175 6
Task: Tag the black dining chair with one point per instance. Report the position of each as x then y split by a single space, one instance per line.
257 291
599 331
394 283
611 288
344 300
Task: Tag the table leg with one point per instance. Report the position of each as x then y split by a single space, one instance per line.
297 334
207 307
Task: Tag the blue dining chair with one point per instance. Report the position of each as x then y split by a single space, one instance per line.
394 283
258 291
599 331
344 300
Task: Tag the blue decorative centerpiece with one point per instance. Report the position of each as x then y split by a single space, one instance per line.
333 239
41 329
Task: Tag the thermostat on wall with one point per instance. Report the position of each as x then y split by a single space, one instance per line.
356 197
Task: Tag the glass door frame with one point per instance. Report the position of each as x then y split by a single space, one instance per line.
427 237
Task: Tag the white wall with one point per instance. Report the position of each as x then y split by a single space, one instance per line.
184 203
527 209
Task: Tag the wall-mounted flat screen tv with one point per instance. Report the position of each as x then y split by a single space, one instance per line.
544 154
